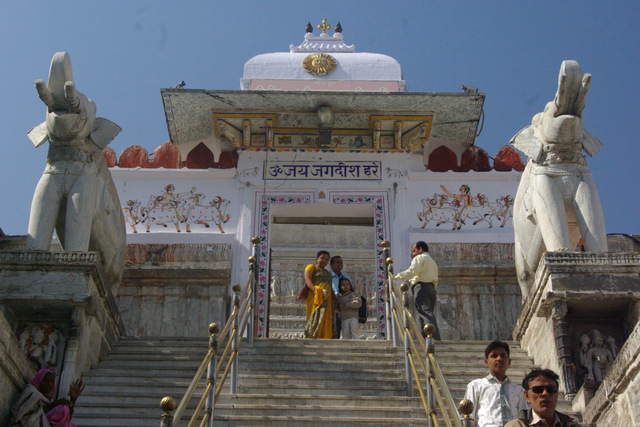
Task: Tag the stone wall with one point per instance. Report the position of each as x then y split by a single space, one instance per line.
14 369
478 293
175 290
477 301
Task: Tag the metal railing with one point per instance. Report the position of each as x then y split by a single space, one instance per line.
422 372
219 368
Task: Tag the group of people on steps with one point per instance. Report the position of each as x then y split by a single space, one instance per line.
332 311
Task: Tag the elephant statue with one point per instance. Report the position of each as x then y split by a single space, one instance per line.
76 194
557 202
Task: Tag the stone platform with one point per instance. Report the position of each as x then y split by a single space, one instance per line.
575 293
62 291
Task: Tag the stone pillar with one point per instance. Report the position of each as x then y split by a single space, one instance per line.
563 347
72 353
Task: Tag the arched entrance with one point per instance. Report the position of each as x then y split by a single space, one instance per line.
372 205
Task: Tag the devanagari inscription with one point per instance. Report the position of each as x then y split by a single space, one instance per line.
348 170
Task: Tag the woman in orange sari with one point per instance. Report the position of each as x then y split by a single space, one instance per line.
319 299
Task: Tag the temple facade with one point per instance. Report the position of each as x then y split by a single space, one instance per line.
321 148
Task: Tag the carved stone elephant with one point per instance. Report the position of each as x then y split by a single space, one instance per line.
557 201
76 194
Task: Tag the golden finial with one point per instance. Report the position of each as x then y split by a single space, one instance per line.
465 407
385 244
167 404
255 241
214 328
236 288
324 27
429 329
404 287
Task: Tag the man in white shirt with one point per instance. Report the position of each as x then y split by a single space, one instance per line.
496 400
423 275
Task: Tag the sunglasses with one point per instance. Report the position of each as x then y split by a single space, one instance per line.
539 389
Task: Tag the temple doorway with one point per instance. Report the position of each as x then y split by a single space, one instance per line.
291 235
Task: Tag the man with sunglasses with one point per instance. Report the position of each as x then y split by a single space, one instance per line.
541 391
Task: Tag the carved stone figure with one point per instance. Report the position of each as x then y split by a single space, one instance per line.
40 344
76 194
293 282
584 349
599 358
557 201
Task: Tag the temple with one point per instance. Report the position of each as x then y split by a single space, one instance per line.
322 147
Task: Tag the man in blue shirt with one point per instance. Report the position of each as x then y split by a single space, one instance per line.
336 275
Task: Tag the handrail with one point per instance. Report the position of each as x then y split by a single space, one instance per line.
240 320
437 397
439 377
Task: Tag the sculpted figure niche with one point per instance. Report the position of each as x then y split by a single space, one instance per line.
75 194
557 201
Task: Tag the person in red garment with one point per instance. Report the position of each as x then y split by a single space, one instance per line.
35 407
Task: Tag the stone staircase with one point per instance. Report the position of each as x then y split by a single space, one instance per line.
283 382
287 317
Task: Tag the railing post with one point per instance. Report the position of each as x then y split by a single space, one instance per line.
236 330
214 329
392 332
253 267
167 404
465 407
429 329
407 346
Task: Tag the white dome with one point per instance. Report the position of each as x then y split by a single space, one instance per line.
349 66
353 70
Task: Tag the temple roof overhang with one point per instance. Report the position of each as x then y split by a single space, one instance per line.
362 121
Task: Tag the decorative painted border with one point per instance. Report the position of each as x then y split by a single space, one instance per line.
381 224
264 203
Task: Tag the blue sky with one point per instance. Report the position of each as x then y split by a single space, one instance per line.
124 52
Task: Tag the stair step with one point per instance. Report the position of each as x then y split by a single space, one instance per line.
281 382
253 420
